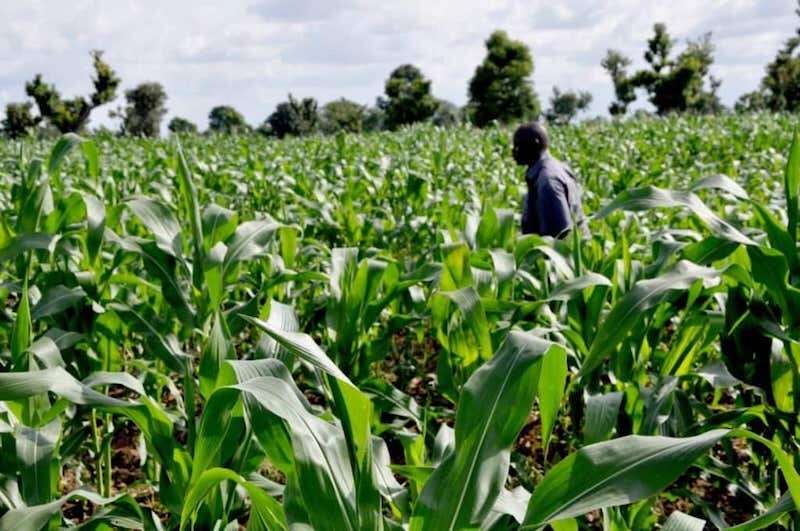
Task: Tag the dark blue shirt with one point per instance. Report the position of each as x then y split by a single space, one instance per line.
553 200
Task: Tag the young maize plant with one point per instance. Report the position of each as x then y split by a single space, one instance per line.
348 333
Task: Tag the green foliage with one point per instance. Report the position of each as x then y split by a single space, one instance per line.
348 332
72 115
408 97
565 106
18 120
181 125
342 115
144 111
294 118
374 118
501 88
226 119
674 84
616 65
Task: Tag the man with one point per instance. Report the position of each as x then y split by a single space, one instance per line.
553 202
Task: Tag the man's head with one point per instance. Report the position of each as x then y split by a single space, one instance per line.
530 141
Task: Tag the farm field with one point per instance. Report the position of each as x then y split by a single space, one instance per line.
349 332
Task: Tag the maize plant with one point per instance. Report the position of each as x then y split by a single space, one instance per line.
349 333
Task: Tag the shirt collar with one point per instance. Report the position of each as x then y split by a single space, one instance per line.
536 167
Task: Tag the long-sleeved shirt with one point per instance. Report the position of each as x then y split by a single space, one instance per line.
553 200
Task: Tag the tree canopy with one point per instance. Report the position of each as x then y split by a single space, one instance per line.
565 106
226 119
19 120
144 110
501 88
674 84
408 97
294 118
181 125
71 115
342 115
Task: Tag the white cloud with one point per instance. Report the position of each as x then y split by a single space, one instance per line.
251 53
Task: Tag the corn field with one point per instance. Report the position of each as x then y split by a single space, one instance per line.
349 333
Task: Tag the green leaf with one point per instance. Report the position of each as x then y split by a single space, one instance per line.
493 408
56 300
216 351
161 221
792 184
566 290
601 416
644 295
40 467
552 381
26 242
249 241
614 473
720 182
96 225
266 514
302 345
147 414
22 332
60 150
192 206
650 197
37 517
218 224
92 157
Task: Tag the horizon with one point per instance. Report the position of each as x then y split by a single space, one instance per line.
253 53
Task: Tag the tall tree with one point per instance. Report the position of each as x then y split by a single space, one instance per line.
617 65
565 106
294 117
780 87
19 120
73 114
181 125
226 119
680 84
408 97
501 88
342 115
145 109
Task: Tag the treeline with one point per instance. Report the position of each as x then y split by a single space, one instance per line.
500 91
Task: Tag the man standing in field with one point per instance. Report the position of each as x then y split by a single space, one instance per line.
553 202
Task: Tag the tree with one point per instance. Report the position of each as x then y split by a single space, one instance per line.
565 106
680 84
226 119
374 118
294 117
145 109
501 88
447 114
780 87
181 125
408 97
73 114
19 120
342 115
616 65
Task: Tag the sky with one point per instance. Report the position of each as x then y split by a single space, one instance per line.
252 53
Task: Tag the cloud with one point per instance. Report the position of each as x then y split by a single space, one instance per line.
251 53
